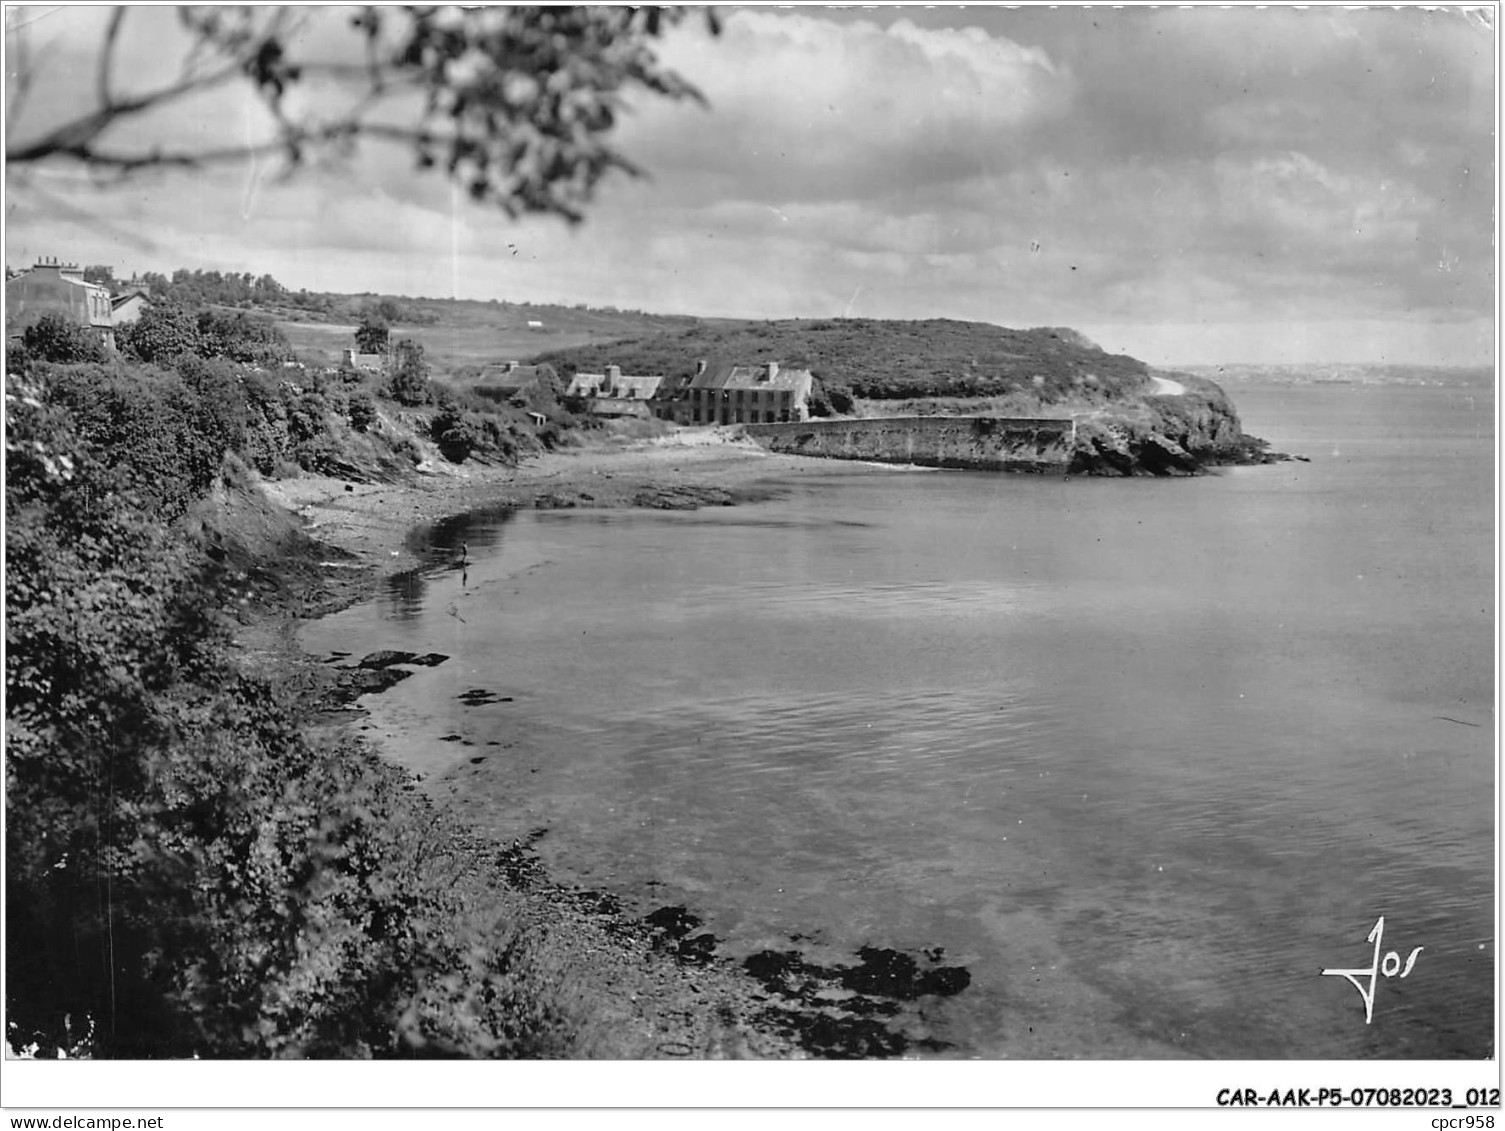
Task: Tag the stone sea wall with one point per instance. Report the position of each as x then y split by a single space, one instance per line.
977 443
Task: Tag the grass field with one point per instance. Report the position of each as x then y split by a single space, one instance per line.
473 333
445 347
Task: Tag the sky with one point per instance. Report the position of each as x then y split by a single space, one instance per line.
1189 185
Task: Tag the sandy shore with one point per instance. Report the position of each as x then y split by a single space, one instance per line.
686 469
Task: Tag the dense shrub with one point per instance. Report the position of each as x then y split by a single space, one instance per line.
164 332
455 433
55 338
242 337
221 389
827 399
362 410
186 873
164 440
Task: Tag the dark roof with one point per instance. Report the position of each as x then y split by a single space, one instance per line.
117 301
748 377
500 381
517 377
673 386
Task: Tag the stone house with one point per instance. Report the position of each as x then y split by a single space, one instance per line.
369 362
509 380
671 400
613 383
614 393
51 287
127 307
748 394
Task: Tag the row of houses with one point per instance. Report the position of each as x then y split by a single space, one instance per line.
52 287
716 394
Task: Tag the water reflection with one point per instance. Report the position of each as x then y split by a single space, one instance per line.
449 545
404 595
441 541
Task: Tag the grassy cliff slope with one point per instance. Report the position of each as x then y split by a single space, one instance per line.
883 359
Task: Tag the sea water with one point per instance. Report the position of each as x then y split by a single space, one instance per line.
1144 756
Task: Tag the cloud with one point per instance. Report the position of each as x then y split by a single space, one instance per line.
805 108
1294 200
1084 166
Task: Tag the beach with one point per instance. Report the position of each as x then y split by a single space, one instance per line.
371 521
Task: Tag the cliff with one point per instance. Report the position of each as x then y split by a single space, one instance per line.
1178 427
1166 434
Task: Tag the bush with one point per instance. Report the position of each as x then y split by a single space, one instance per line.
305 416
828 398
456 434
55 338
362 410
162 333
242 337
164 441
221 391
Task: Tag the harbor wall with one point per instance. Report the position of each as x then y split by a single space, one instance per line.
976 443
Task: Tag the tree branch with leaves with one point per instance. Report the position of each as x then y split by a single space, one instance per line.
515 104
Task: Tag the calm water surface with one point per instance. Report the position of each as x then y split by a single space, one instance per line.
1144 756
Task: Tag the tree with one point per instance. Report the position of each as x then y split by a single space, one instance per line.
410 374
514 103
164 331
371 335
56 338
267 290
362 410
456 435
102 274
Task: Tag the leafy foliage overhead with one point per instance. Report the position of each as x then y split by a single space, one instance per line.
514 103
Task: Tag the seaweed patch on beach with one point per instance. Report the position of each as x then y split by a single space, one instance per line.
677 930
858 1010
480 697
